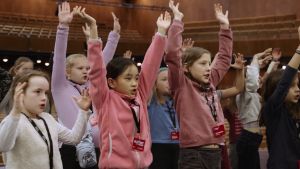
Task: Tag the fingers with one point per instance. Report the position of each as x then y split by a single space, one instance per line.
114 17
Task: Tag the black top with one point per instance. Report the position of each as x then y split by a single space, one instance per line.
5 81
282 138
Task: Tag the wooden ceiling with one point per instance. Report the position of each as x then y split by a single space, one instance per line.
31 25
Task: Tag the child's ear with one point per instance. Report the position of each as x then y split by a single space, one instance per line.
185 68
111 83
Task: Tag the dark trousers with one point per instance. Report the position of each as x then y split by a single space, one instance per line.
247 150
165 156
199 158
69 159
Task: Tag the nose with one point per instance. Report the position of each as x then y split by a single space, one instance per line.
134 83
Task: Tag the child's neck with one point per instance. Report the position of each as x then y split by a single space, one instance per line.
31 115
161 98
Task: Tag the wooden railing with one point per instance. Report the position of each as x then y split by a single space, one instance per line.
269 27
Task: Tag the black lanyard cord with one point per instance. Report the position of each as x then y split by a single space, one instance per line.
136 120
43 137
212 106
171 113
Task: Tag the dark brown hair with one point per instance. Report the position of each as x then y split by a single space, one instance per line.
190 55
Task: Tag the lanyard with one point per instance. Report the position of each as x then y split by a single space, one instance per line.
171 113
212 106
43 137
136 119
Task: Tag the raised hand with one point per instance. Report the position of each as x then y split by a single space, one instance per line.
263 58
177 14
163 23
84 101
127 54
18 105
187 43
276 54
86 31
117 26
90 21
238 61
221 17
65 15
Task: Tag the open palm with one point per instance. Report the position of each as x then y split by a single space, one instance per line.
65 15
164 21
220 16
84 101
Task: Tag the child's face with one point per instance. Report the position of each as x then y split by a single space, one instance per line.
35 96
294 92
25 66
200 69
78 73
162 84
127 82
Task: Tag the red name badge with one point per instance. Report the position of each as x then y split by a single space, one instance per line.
175 135
138 144
219 130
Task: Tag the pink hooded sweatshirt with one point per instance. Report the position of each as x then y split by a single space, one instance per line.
116 123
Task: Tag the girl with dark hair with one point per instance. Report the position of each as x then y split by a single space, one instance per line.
120 95
281 117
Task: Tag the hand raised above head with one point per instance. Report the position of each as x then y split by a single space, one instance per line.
117 26
187 44
65 15
175 9
221 17
163 23
239 61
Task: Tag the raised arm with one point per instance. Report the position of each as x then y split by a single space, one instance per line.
290 72
239 78
112 40
221 63
174 48
153 57
97 75
65 17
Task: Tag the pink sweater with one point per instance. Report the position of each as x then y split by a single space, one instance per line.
196 120
116 123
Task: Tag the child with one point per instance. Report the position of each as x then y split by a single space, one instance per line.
69 77
120 94
192 84
249 105
164 125
22 64
281 118
29 136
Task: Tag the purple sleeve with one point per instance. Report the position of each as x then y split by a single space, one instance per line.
222 60
111 46
59 59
